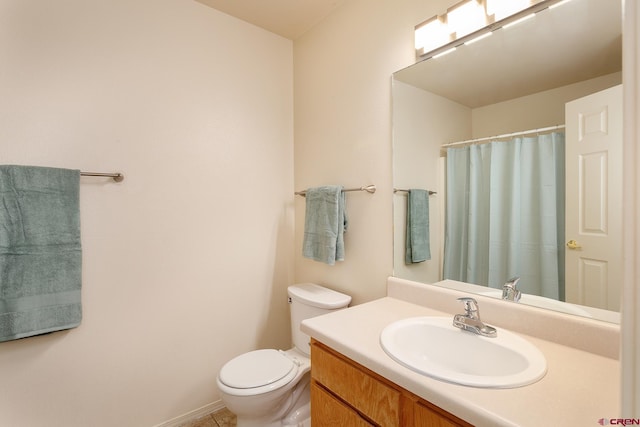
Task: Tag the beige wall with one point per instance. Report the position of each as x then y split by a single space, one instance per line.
535 111
186 262
342 75
421 122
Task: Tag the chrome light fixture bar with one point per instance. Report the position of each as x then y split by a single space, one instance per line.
433 37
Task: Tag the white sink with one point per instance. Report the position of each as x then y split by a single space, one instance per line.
543 302
432 346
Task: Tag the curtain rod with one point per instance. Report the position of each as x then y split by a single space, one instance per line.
506 135
117 176
368 188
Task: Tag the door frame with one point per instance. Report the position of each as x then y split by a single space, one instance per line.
630 326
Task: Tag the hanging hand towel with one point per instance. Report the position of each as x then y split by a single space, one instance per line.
324 224
417 239
40 251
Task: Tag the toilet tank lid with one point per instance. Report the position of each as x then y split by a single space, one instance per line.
318 296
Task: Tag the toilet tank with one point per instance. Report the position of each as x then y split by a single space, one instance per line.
308 300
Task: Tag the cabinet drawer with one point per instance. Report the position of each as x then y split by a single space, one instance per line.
374 399
327 411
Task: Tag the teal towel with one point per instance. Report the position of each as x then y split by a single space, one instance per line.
40 251
324 224
417 242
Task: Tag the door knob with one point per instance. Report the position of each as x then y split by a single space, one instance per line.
572 244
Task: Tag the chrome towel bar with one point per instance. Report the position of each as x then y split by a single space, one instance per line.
117 176
368 188
400 190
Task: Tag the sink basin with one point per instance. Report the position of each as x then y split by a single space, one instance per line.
543 302
432 346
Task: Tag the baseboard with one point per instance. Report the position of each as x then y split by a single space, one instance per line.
193 415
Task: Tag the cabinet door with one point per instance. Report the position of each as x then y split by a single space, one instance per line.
374 399
427 415
327 411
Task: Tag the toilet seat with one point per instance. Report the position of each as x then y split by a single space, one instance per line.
258 371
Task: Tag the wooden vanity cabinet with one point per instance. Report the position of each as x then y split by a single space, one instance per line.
346 394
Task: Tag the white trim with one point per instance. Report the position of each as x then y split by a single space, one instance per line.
193 415
630 354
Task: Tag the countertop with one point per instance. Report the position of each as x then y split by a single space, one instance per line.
579 388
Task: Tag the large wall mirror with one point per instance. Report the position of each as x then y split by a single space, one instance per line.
540 79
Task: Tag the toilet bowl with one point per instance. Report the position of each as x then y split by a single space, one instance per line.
263 386
268 387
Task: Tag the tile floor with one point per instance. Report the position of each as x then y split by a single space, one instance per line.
222 418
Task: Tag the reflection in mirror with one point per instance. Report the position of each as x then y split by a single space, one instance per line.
546 72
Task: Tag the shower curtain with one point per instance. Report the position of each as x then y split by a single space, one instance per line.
505 214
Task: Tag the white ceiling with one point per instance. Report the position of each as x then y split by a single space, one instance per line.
288 18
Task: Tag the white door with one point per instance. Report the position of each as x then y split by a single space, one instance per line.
594 199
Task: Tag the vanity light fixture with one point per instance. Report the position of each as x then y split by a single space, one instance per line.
466 17
500 9
472 20
431 34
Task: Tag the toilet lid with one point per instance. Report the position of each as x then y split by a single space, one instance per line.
256 369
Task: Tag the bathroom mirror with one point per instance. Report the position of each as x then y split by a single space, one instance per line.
517 79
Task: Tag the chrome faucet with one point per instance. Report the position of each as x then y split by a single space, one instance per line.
470 320
509 290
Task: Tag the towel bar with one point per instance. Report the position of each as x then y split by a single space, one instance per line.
117 176
368 188
398 190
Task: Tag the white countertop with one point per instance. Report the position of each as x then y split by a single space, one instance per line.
579 388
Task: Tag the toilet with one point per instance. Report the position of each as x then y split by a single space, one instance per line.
268 387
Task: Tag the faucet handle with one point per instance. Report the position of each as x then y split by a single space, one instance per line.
510 291
512 282
470 321
470 306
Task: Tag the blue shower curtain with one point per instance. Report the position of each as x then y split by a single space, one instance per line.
505 214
